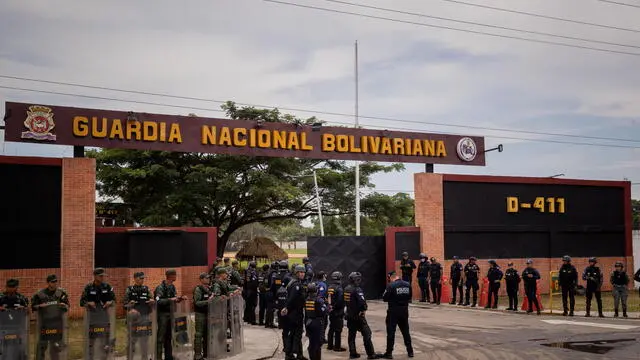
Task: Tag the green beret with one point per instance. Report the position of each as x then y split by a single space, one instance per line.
52 278
221 270
99 271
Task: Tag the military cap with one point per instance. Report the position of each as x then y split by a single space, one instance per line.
221 270
13 283
52 278
529 261
99 271
593 260
404 253
455 257
510 263
472 258
619 263
138 275
204 275
171 272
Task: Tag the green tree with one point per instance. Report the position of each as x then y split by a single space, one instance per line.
378 211
227 192
635 213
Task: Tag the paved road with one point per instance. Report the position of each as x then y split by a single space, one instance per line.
450 332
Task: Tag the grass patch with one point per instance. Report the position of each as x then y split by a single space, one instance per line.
633 302
296 251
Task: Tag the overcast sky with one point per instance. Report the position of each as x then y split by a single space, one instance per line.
263 53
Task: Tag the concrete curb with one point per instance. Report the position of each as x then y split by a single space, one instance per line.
275 351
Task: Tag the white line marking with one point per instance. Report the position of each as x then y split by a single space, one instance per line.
600 325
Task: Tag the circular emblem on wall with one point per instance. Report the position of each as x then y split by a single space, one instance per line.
467 149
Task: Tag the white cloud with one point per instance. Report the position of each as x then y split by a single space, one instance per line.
256 52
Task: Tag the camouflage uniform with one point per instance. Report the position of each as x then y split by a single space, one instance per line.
201 295
235 277
140 294
42 297
100 294
17 304
162 294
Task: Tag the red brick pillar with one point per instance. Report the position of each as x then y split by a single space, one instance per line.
429 213
78 227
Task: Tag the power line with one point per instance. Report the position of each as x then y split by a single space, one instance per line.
301 110
479 24
620 3
542 16
334 122
452 28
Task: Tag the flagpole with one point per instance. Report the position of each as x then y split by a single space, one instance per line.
357 187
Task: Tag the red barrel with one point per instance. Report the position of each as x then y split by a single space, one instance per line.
445 298
484 293
525 301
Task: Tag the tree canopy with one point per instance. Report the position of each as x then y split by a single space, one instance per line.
228 192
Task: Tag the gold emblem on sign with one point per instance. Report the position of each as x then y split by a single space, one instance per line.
40 123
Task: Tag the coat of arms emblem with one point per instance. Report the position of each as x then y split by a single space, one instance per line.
40 123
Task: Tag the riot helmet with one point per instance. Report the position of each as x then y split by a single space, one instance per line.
355 278
336 275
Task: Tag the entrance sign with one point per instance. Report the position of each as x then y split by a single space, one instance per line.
58 125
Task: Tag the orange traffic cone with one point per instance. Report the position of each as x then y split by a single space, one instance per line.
484 293
445 297
525 300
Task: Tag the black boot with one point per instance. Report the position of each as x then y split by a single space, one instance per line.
615 313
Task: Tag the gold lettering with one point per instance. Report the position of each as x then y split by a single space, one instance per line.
417 148
133 128
94 128
407 147
80 126
174 133
342 143
442 150
252 137
364 142
304 145
150 131
429 148
352 145
398 146
237 140
374 141
279 139
163 131
264 138
386 146
225 136
328 142
293 141
116 129
208 135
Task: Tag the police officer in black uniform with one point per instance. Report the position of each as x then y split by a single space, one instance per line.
293 311
250 292
530 277
512 278
315 309
407 266
568 279
308 268
593 275
397 295
456 280
282 294
336 312
356 321
471 276
272 287
494 275
263 287
435 280
423 278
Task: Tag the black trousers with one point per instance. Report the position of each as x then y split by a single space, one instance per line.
292 329
590 293
424 289
251 301
471 285
355 325
398 316
271 308
314 333
262 307
568 292
436 289
334 338
493 295
512 292
456 286
530 291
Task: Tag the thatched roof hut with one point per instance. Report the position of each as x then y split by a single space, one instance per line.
261 248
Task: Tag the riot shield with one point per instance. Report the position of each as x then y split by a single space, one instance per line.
217 326
100 333
236 304
51 332
141 332
181 332
14 334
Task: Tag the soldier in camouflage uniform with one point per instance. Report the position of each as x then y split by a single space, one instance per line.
45 297
12 300
236 279
166 294
137 302
201 299
223 290
98 294
215 267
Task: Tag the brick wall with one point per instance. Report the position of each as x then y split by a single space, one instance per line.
429 213
31 280
78 227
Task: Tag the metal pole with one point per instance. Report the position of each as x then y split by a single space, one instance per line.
315 183
357 163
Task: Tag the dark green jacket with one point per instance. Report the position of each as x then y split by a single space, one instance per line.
163 293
